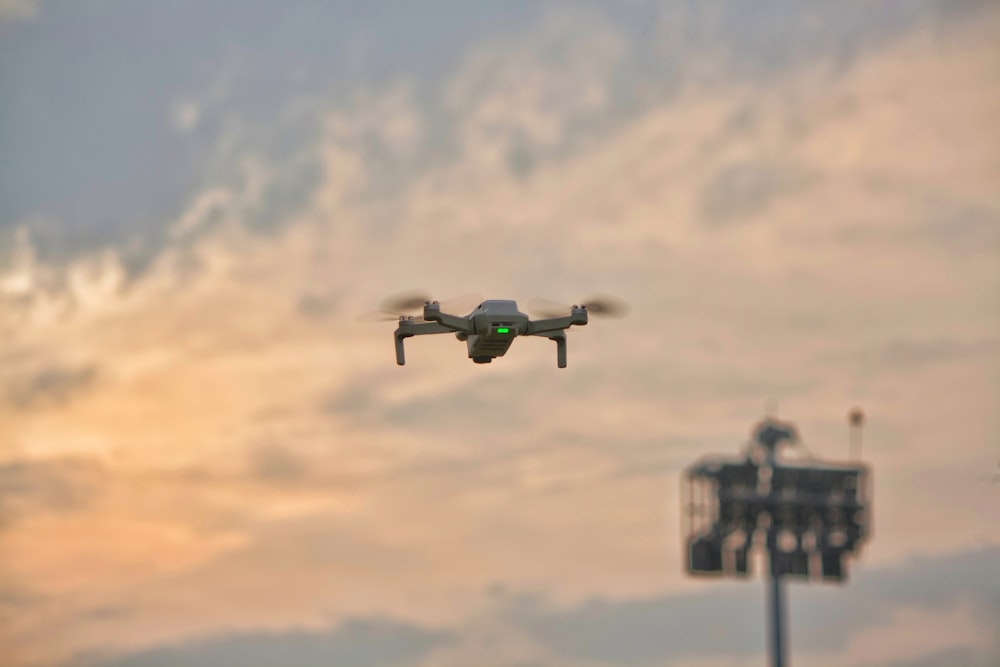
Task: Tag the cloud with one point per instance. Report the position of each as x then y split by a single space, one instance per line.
317 304
960 657
33 487
185 115
721 622
276 463
728 622
746 189
101 164
904 354
54 385
529 99
473 402
941 221
558 76
18 10
373 642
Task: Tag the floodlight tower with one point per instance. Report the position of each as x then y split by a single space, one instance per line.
807 516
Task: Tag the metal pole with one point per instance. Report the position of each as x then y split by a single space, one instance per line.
777 593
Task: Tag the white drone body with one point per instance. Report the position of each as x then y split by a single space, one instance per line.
489 329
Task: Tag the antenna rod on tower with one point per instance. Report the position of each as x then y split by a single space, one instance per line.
856 418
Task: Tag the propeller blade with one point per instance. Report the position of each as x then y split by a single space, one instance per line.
604 305
403 301
461 305
601 306
547 308
378 316
412 303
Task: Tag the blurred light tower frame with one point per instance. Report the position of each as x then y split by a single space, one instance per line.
806 516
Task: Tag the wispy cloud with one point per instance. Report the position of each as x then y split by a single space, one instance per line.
28 488
721 623
365 643
47 386
12 10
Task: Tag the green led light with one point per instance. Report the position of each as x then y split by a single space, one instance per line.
503 330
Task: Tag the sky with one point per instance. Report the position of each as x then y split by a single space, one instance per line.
207 459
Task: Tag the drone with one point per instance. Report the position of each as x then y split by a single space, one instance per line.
492 326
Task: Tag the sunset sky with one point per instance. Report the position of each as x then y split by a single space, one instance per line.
207 460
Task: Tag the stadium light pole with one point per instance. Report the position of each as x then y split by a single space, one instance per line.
777 619
807 516
770 435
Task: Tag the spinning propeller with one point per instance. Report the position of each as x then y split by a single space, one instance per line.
411 303
601 305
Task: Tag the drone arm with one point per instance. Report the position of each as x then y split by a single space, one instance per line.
548 325
406 330
432 313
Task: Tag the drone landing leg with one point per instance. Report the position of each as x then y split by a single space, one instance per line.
400 355
560 339
407 329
